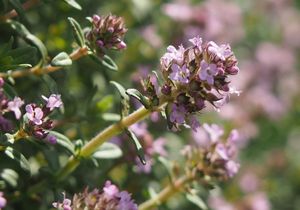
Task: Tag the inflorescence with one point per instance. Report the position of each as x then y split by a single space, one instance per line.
109 198
106 33
35 122
214 156
193 76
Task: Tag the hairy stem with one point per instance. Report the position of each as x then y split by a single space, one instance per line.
80 52
167 192
102 137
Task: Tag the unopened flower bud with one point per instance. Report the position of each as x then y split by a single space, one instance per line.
166 89
96 18
39 134
51 139
233 70
122 45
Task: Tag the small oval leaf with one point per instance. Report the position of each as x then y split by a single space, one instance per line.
124 99
63 141
18 157
10 176
77 32
109 63
74 4
137 94
62 59
138 146
108 151
195 199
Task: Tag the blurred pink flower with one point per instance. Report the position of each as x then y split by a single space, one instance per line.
259 201
249 182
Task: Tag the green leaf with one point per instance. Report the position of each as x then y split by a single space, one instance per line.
108 151
10 176
9 91
11 59
109 63
74 4
106 61
40 46
6 47
18 157
136 94
195 199
30 38
22 54
50 83
62 59
138 146
77 32
63 141
124 99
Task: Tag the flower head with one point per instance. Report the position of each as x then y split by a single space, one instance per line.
216 52
15 106
195 75
179 74
207 72
109 198
54 101
106 33
34 114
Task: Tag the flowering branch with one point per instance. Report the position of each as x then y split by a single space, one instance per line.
103 136
80 52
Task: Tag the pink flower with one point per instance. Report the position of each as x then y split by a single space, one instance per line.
15 105
2 201
179 74
207 72
110 190
214 131
232 168
158 147
34 114
259 201
216 52
54 101
177 114
197 42
221 151
173 54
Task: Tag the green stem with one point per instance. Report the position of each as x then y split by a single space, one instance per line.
167 192
78 53
103 136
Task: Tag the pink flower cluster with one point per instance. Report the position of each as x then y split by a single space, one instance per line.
195 75
37 122
106 33
109 198
214 156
